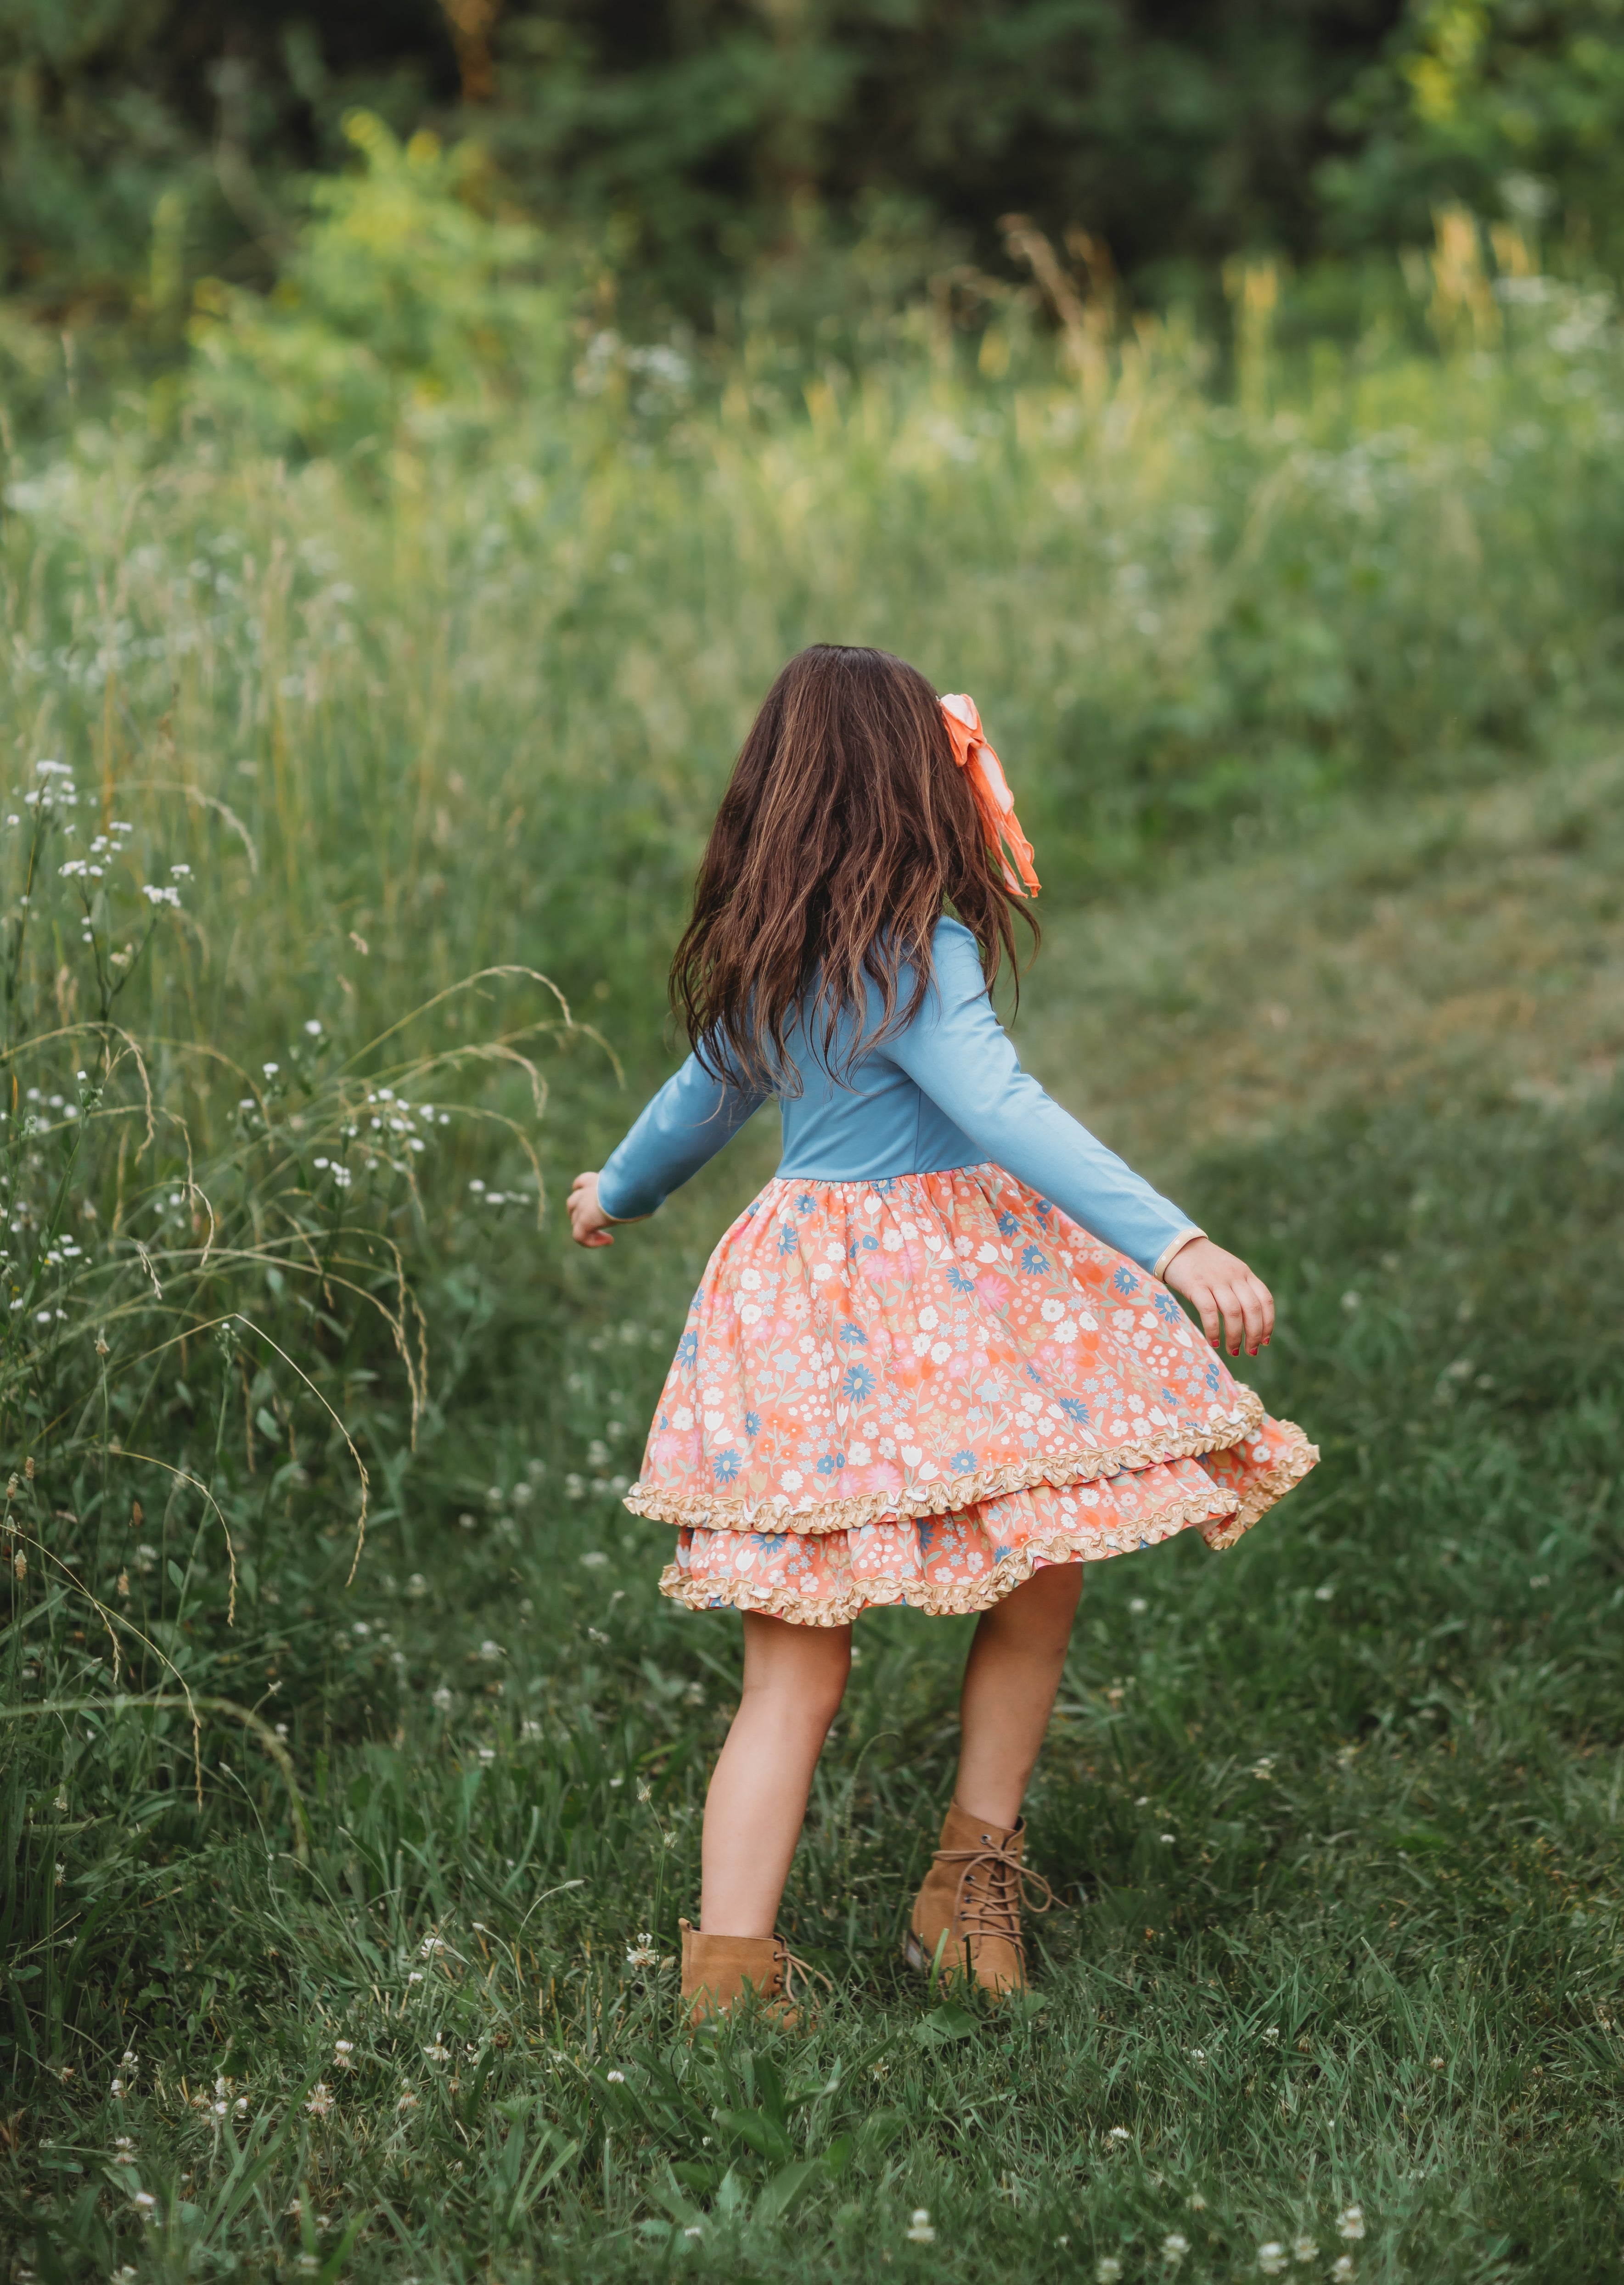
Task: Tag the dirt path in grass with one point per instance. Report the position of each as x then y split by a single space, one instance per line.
1473 945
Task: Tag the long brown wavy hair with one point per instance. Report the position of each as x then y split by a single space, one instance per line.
845 828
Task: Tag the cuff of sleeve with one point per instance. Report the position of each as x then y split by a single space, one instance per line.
613 1214
1177 1245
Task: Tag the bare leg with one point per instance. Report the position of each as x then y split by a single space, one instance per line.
1010 1678
793 1679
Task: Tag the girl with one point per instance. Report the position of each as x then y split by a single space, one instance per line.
936 1361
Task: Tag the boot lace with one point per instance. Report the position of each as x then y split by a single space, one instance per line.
1010 1884
791 1966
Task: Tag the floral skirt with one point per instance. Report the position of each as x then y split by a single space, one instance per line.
923 1389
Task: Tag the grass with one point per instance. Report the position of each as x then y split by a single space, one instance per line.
347 1857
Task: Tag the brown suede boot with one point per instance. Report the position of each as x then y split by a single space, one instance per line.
967 1917
718 1971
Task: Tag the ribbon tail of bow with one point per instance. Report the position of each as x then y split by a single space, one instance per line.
990 791
996 803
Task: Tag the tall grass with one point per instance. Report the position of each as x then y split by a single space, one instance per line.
350 1767
526 663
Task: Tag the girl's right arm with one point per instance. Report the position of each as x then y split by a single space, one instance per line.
693 1117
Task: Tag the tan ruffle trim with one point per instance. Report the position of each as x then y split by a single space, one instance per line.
958 1600
952 1493
964 1599
1270 1484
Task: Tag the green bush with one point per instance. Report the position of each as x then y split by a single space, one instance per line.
405 305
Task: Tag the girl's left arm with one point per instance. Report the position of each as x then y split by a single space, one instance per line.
693 1117
958 1053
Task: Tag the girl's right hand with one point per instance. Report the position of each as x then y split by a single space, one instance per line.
1231 1299
589 1225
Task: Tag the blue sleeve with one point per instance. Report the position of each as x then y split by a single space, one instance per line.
691 1118
956 1051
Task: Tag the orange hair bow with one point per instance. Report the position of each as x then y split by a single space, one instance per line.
994 802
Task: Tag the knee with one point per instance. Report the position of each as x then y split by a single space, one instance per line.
808 1685
823 1684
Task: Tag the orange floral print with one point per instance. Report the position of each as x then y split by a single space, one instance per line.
921 1389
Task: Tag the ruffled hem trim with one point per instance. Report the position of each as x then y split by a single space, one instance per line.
952 1493
958 1598
1266 1486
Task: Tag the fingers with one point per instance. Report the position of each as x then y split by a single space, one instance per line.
1236 1311
1212 1324
586 1216
1248 1310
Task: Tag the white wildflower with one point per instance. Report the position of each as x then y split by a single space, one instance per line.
1351 2222
921 2230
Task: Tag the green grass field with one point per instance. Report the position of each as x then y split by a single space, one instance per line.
341 1879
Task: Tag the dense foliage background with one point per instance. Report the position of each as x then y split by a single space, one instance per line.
697 145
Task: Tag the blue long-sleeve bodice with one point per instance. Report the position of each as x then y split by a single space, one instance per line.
945 1090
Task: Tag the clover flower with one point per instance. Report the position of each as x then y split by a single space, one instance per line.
1305 2247
321 2099
1173 2249
1351 2222
920 2230
1271 2258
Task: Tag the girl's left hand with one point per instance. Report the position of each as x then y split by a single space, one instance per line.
589 1225
1232 1299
